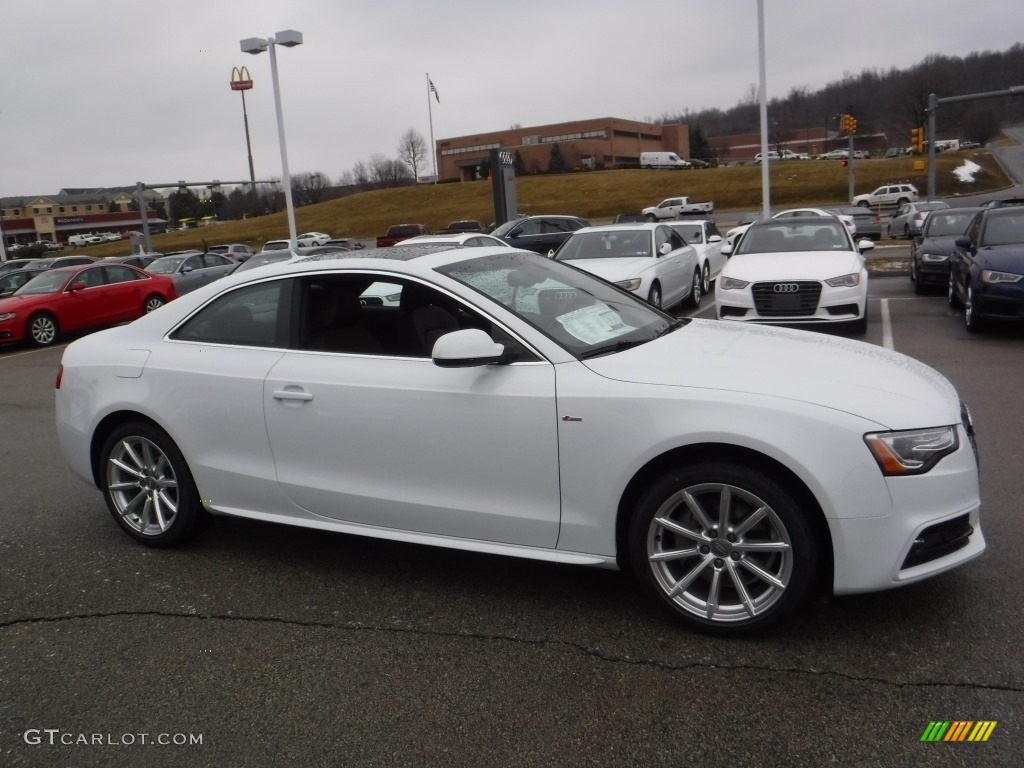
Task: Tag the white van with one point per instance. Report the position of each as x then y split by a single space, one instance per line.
662 160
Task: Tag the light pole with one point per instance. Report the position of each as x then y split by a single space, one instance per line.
289 38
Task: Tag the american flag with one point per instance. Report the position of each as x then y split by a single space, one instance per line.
433 90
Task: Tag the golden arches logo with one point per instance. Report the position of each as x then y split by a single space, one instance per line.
240 79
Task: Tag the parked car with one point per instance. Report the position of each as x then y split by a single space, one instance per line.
276 245
346 242
986 268
233 251
629 218
772 155
13 280
191 270
82 241
540 234
835 154
890 194
57 301
651 260
56 262
12 264
929 253
470 239
663 160
733 234
398 232
866 222
705 239
674 207
544 414
1006 201
139 260
307 239
108 237
464 225
802 271
907 220
286 254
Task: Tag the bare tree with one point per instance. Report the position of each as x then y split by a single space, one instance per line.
386 171
361 173
308 188
412 150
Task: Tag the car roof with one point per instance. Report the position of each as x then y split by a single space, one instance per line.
795 220
647 226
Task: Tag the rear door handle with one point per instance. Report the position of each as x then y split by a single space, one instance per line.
291 394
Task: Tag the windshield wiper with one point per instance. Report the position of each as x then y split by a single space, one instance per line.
616 346
675 324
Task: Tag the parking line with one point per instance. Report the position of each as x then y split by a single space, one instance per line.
32 351
886 326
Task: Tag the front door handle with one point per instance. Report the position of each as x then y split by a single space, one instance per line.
292 394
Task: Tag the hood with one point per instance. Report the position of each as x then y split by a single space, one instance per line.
19 303
941 245
1005 258
616 269
804 265
886 387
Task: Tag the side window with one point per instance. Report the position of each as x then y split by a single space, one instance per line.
254 315
975 230
337 315
661 236
193 262
532 227
214 260
118 274
91 277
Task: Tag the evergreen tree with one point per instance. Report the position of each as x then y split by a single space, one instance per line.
556 164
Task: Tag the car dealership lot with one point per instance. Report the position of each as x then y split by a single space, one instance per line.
284 643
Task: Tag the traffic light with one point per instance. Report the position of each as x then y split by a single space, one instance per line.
852 126
917 140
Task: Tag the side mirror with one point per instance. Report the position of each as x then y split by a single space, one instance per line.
865 245
77 286
726 250
715 239
467 348
551 253
665 250
965 243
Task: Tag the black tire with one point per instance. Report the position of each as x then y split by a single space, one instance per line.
915 278
901 202
654 296
723 560
152 302
972 315
693 300
705 279
651 217
951 295
148 487
42 329
864 204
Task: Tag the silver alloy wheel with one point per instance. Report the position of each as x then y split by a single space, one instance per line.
705 279
142 486
43 330
153 302
695 290
719 552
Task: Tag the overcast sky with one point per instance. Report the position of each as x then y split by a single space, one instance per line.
110 93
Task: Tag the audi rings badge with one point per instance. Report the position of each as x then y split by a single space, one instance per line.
786 288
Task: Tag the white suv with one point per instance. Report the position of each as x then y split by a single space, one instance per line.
891 194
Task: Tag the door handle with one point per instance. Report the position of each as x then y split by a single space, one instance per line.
291 394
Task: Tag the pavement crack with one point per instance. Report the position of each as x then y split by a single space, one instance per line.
595 653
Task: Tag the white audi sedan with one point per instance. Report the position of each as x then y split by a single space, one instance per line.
513 405
799 271
651 260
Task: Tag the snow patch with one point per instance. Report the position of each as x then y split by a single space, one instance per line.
967 172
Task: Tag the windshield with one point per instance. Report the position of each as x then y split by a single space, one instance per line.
165 266
691 233
262 260
1004 228
276 245
585 315
788 237
46 282
606 244
940 224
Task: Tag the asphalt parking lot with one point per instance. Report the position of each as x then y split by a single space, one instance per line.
279 646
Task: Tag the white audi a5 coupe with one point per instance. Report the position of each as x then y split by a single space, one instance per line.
800 270
514 405
651 260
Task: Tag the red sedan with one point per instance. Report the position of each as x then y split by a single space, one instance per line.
75 298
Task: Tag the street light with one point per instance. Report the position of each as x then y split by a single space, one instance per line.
289 38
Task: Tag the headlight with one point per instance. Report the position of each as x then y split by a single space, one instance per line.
8 316
732 284
934 257
629 285
846 281
991 276
912 451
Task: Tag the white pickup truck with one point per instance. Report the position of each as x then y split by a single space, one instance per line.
677 206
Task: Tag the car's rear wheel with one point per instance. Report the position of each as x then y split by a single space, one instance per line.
723 547
148 486
654 296
153 302
651 217
42 329
972 316
705 279
901 202
951 295
864 204
693 300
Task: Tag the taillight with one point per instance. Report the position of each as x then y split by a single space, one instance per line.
60 375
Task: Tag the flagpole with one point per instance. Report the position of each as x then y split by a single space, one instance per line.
430 115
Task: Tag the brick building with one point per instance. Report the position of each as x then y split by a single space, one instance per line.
604 142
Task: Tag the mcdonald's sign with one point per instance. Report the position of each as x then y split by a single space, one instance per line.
240 79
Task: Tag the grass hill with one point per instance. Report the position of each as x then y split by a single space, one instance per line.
596 195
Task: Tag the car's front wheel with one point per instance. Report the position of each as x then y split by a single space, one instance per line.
705 279
693 300
654 296
951 296
42 329
724 548
972 316
152 303
148 486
